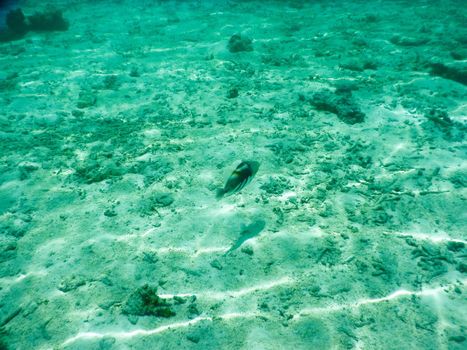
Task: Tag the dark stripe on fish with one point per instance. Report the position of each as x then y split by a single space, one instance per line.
240 186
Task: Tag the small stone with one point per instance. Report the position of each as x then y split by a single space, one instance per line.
150 257
110 213
216 264
407 41
134 73
179 300
110 82
86 99
163 199
29 166
77 113
264 306
345 86
462 268
107 281
459 54
26 169
107 304
30 308
452 72
247 249
133 319
233 93
193 338
352 64
193 311
455 246
107 343
68 284
457 338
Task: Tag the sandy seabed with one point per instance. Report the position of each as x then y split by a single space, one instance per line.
116 133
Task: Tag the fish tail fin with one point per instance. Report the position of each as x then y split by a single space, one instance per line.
220 193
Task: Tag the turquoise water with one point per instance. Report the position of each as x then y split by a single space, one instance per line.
345 228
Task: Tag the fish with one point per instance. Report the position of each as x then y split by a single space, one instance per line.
240 177
248 232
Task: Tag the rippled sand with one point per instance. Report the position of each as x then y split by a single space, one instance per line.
116 134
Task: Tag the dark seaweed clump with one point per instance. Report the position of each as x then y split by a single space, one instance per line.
456 74
3 342
48 21
18 25
239 43
3 345
438 119
340 104
145 302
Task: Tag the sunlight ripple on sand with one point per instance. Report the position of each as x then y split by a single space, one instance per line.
145 332
235 293
436 238
364 301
